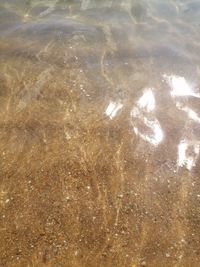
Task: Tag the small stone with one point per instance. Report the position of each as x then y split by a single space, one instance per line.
143 263
68 198
167 255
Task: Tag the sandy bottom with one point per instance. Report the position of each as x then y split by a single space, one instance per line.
99 133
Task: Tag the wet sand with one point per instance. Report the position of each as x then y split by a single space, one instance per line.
99 133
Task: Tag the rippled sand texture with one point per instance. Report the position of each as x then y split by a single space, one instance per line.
99 133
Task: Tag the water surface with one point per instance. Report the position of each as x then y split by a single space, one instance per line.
99 133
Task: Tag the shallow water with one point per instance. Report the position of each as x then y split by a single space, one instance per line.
100 133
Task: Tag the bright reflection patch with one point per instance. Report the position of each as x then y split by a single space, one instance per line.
145 125
157 134
112 109
192 114
188 153
147 101
179 86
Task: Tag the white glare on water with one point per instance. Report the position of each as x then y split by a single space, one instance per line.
112 109
179 86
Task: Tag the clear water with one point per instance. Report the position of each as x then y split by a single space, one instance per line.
99 133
